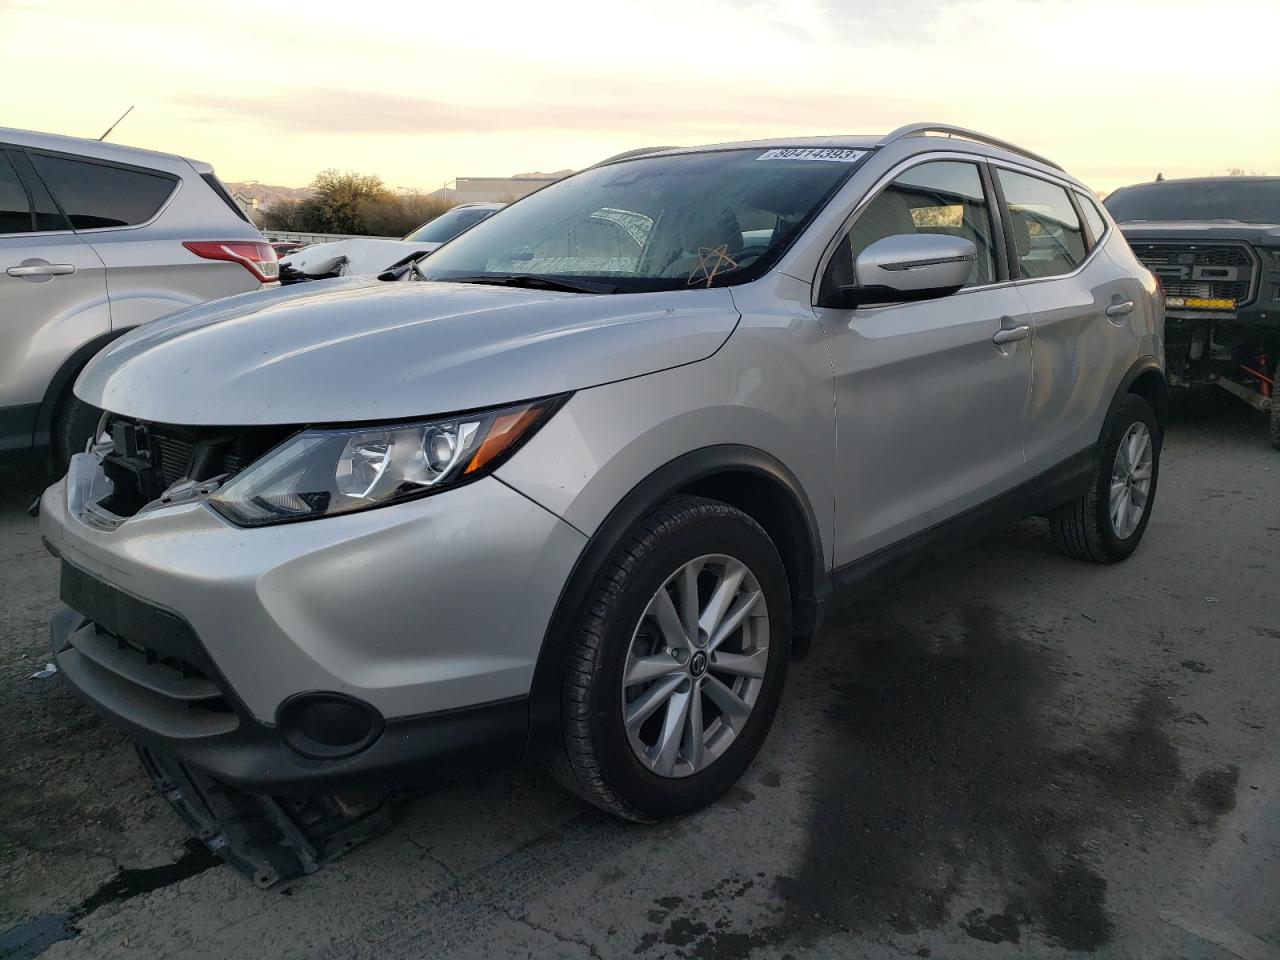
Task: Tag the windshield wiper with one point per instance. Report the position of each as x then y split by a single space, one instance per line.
533 281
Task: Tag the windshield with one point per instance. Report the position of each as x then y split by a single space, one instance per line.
449 224
657 223
1250 201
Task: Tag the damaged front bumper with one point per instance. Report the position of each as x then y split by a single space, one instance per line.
153 680
230 648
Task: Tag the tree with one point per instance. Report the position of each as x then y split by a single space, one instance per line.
283 215
341 200
354 203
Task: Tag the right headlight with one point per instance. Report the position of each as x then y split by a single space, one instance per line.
322 472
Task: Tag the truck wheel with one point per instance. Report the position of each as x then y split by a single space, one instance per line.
678 665
73 424
1107 523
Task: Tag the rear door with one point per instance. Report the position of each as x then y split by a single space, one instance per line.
53 292
1083 308
930 410
137 218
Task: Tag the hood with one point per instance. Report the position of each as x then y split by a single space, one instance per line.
364 256
1262 234
356 349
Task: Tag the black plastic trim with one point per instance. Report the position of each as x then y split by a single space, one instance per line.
997 216
217 186
411 751
288 722
1058 485
1006 224
679 474
1140 368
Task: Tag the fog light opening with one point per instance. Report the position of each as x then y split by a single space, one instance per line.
328 725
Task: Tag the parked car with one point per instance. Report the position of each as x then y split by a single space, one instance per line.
96 239
588 489
285 247
1214 242
370 256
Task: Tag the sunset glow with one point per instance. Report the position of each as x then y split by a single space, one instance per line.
421 93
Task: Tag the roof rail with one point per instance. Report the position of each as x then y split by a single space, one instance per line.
946 130
631 154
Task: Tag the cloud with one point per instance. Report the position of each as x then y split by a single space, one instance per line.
696 110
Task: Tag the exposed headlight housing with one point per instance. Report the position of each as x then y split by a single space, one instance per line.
323 472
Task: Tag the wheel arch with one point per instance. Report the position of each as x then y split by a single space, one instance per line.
62 381
1146 379
744 477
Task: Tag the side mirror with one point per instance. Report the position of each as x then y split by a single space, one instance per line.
907 267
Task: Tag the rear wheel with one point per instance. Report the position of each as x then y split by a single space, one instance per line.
74 423
1107 523
678 665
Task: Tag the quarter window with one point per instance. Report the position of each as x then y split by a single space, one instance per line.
942 196
1093 217
1048 239
97 195
15 209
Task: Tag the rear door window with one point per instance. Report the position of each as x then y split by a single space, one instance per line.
1047 235
96 195
15 208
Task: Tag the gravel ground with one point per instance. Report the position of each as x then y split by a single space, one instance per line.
1011 752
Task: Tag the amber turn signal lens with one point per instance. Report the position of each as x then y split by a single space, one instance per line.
507 429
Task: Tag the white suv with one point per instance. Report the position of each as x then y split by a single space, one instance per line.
95 239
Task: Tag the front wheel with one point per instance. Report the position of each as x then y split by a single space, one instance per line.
1107 523
678 665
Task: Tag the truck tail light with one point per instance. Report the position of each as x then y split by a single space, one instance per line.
256 256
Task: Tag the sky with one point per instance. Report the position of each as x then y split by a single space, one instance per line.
420 93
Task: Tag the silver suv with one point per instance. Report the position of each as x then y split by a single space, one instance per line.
583 485
95 239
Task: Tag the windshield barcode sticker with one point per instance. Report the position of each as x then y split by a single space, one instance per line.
837 154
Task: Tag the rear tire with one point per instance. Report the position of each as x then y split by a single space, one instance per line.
711 698
1107 523
74 424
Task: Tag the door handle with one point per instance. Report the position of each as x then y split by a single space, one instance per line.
1122 309
42 270
1011 334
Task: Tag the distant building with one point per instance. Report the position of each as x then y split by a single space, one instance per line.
492 189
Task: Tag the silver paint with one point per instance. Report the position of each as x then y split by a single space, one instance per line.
891 419
123 276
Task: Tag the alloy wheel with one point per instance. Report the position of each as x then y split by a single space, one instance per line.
695 666
1131 480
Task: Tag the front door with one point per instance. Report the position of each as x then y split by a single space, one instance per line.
931 397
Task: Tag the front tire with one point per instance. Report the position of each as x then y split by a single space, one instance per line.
678 665
1107 523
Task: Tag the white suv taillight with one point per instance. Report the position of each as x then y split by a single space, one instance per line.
256 256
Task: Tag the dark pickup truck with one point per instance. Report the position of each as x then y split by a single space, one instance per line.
1215 245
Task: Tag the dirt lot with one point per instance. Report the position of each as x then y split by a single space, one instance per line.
1011 752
